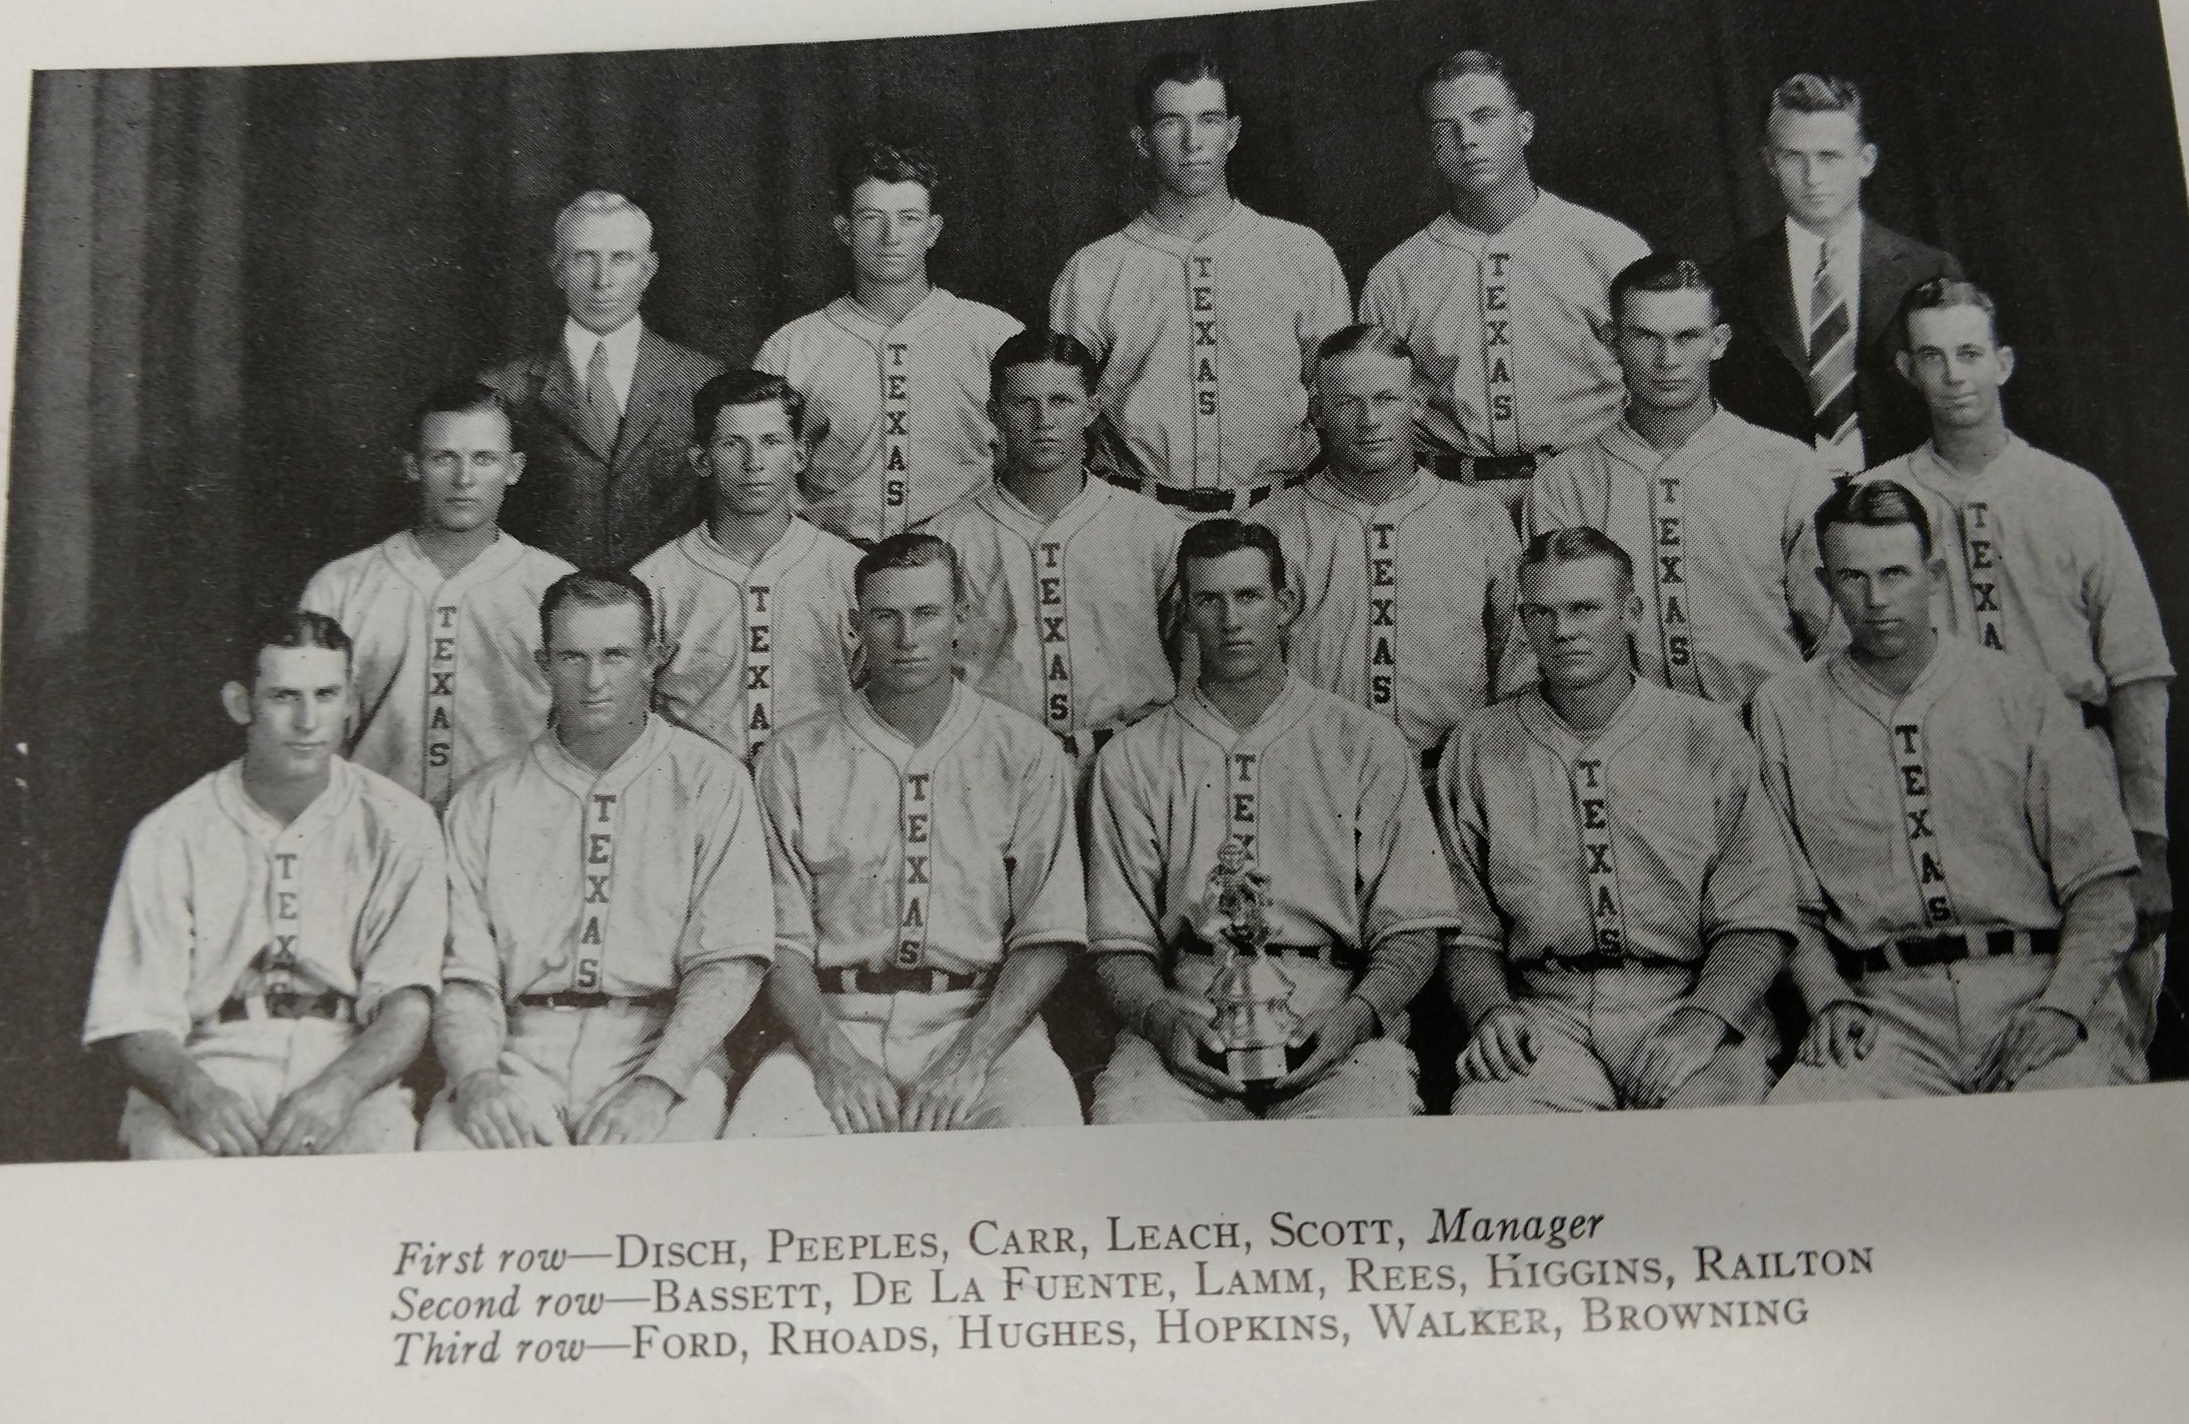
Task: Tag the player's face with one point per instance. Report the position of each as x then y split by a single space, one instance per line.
462 465
1957 364
1364 403
1665 342
754 460
599 667
889 229
1579 619
1237 616
1042 412
603 267
1820 161
1882 585
908 624
1189 136
1477 134
295 712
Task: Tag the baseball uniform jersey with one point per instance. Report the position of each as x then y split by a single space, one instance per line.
1503 326
756 648
899 412
1406 606
444 667
1724 548
1065 624
1203 344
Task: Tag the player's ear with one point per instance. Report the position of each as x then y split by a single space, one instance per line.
2006 364
1140 141
1721 336
1525 124
800 453
516 467
1314 407
660 656
1866 160
1232 128
539 656
412 471
1824 579
235 699
647 269
842 227
1935 566
1905 364
696 454
934 229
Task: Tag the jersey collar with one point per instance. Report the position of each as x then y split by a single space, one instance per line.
856 319
1948 661
409 559
1928 469
1644 703
333 799
796 541
1012 513
1625 442
1200 714
1143 230
581 780
1453 233
868 727
1325 487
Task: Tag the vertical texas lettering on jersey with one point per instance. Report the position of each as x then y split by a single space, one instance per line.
916 817
1056 648
1673 628
1201 287
1383 626
286 891
598 853
440 748
1980 556
1497 349
1599 862
896 439
759 668
1915 810
1242 826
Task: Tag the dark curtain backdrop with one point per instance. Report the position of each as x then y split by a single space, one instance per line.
237 281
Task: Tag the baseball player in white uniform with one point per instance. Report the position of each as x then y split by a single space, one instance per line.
895 375
442 614
1503 296
1318 796
928 893
1625 888
1971 904
610 918
1066 575
1714 510
2039 563
755 603
274 941
1405 581
1203 312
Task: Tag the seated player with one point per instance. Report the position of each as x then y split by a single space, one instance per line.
1065 575
274 942
1626 894
755 604
446 663
1970 906
609 916
1251 769
927 888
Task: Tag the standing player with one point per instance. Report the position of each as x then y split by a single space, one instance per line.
442 613
1405 581
1625 892
927 888
895 375
608 905
755 604
1502 297
274 942
1065 575
1203 312
2039 563
1318 796
1971 860
1715 508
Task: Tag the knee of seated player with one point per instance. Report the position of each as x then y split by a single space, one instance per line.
1377 1079
1737 1075
779 1099
382 1121
1028 1086
1136 1085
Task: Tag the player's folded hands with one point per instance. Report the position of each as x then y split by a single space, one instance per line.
1843 1033
309 1120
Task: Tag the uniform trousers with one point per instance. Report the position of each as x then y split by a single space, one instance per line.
265 1060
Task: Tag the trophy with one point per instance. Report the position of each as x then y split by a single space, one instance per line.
1252 994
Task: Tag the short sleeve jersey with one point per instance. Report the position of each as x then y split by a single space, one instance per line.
1649 839
216 898
756 648
900 411
947 855
1407 606
1065 624
445 673
1722 541
1203 344
1503 326
619 882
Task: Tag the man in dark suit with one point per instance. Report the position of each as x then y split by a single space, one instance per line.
604 415
1812 302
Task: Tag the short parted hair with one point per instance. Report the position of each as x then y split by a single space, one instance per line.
1363 336
460 398
1454 66
1037 346
878 161
1879 504
597 200
1817 94
1942 292
1574 544
288 628
912 549
1178 66
1661 272
1214 538
744 388
597 588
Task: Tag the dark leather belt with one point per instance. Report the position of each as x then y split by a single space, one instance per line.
1210 501
280 1004
1484 469
571 999
1596 963
1087 741
1924 951
1328 953
864 979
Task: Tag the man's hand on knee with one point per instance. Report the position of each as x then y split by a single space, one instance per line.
858 1095
635 1112
492 1113
1680 1046
310 1119
219 1120
1502 1049
1182 1028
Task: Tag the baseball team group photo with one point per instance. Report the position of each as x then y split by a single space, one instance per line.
1363 561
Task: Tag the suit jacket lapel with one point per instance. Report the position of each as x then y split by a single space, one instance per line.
1775 304
559 397
1884 256
644 407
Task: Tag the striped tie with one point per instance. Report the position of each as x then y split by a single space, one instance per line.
1832 370
600 400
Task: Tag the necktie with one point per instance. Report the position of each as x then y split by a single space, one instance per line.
600 399
1832 369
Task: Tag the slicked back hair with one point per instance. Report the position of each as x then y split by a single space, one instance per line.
460 398
1818 94
597 588
289 628
1455 66
1363 336
1214 538
876 160
910 550
1661 272
1178 66
1879 504
744 388
1037 346
1576 543
1942 292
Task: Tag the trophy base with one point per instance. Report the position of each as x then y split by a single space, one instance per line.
1258 1069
